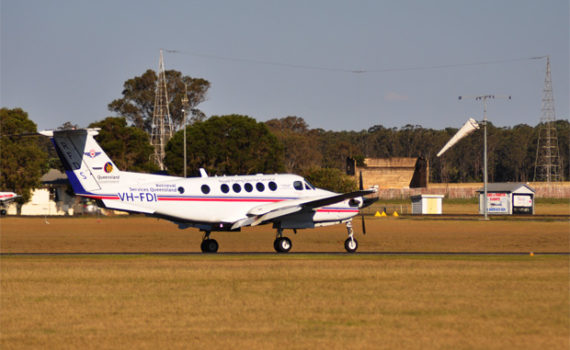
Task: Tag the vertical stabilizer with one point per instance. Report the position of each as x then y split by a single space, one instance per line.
86 164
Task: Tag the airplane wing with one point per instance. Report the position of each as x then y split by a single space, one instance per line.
6 197
267 212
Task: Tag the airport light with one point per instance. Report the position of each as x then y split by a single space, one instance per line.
484 98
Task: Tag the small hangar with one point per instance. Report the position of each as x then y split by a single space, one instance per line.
507 198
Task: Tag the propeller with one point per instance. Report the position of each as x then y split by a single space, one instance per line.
366 202
362 215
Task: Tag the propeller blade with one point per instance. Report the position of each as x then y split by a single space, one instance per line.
361 183
363 225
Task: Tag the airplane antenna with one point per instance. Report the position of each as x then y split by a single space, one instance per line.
547 163
161 122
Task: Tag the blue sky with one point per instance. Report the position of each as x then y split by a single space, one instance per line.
66 60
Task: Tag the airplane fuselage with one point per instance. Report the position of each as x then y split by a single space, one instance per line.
216 202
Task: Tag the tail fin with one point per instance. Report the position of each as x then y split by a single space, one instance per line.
86 164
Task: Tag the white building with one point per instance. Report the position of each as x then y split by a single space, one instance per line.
507 198
50 199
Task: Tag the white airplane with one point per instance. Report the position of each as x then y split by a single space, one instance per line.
225 203
5 199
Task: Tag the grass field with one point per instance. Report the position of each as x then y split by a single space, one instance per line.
404 234
296 301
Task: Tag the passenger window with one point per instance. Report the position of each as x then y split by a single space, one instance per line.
225 188
272 186
260 187
205 189
237 188
298 185
181 190
248 187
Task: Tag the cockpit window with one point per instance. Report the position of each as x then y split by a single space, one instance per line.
309 186
298 185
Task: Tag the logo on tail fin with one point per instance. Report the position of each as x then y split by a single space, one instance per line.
108 167
92 154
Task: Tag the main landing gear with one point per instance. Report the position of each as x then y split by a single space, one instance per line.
209 245
282 244
351 244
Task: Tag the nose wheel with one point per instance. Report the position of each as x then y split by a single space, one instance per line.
351 245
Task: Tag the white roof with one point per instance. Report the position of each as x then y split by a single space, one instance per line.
512 187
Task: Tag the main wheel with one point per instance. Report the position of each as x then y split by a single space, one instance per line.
351 245
209 246
282 245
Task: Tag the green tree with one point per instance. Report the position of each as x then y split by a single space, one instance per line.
128 146
137 103
300 147
331 179
231 144
23 161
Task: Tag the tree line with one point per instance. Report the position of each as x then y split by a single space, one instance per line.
237 144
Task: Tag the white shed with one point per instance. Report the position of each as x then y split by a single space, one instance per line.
507 198
427 204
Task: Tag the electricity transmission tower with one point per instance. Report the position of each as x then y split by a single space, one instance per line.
547 165
161 124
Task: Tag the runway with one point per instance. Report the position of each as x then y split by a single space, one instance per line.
297 254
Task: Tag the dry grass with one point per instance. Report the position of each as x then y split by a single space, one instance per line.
140 234
284 301
293 302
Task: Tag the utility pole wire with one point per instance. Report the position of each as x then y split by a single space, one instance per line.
345 70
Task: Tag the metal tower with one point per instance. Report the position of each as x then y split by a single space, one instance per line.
547 165
161 122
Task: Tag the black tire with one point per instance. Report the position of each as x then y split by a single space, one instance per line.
209 246
351 245
3 212
282 245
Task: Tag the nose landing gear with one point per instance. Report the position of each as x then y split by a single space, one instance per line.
351 244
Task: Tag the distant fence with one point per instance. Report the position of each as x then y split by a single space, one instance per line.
469 190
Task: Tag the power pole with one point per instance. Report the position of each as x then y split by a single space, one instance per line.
185 113
547 164
161 123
